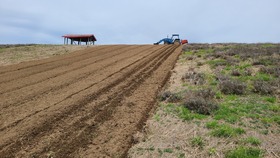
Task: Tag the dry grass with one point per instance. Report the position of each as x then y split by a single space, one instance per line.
13 54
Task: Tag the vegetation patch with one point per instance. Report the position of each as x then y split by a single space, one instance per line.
263 87
169 97
229 103
251 140
242 151
179 111
13 54
212 124
227 131
232 87
200 105
194 78
217 62
197 142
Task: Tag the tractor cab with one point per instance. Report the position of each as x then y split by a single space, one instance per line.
176 39
175 36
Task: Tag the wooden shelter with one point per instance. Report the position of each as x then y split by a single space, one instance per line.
89 39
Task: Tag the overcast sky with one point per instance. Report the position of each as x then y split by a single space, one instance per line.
140 21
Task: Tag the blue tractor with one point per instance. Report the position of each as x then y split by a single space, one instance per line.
173 40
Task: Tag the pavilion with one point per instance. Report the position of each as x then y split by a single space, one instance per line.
77 39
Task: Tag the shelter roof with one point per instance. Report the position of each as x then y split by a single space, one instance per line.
80 36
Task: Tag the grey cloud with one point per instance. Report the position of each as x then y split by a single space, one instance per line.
145 21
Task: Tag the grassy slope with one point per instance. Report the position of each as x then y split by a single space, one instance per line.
13 54
222 101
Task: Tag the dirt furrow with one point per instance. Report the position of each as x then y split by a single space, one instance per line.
36 132
27 104
74 110
104 77
130 115
58 82
50 74
87 124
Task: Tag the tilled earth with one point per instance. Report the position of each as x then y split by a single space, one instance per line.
88 103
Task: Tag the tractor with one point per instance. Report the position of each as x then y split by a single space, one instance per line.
175 39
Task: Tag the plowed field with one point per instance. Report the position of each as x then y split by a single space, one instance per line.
85 104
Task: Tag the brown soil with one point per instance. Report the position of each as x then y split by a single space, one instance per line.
88 103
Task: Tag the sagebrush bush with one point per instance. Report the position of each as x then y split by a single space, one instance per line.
231 60
275 83
236 73
256 62
263 87
169 97
205 93
200 63
164 95
200 105
220 77
194 77
190 58
275 71
219 54
247 72
231 86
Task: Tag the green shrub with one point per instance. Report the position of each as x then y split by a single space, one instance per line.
227 131
197 142
217 62
275 108
270 99
263 77
252 141
266 61
168 150
276 119
212 124
186 114
244 152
